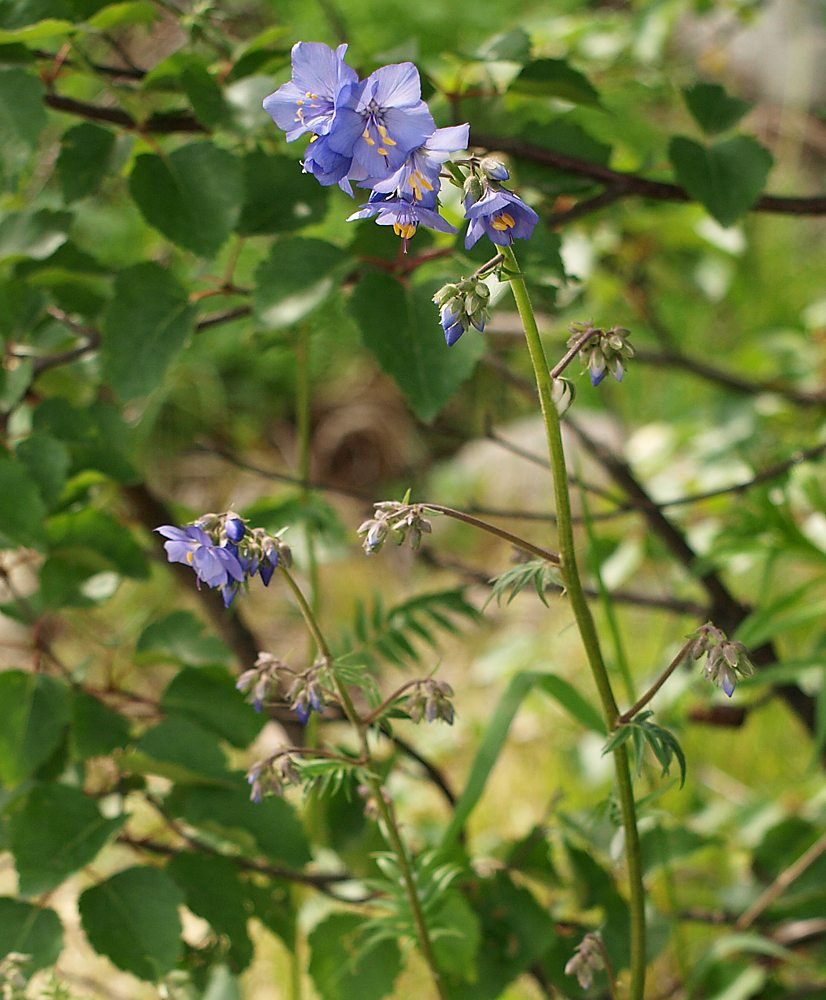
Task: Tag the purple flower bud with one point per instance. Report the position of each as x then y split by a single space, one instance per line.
235 529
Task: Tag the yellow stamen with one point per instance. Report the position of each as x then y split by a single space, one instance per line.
502 222
406 230
382 151
189 558
385 137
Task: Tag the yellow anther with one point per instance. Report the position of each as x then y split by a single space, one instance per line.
502 222
385 137
189 558
407 230
382 150
313 137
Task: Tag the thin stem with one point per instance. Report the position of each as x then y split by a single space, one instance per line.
391 828
491 529
655 687
303 422
585 622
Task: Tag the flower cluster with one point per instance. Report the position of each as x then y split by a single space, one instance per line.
270 777
602 351
270 680
395 520
587 959
379 134
224 553
726 657
462 305
431 700
262 682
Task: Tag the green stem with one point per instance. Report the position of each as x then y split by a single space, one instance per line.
585 622
391 827
655 687
492 529
303 424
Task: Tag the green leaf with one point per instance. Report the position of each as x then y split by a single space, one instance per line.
56 831
193 196
213 890
208 696
204 94
34 710
182 750
713 109
515 930
181 637
497 731
116 15
727 178
513 46
84 159
47 461
456 935
96 730
22 511
132 919
278 197
554 78
33 234
145 326
30 930
22 113
793 609
271 826
342 968
96 435
401 329
111 542
297 277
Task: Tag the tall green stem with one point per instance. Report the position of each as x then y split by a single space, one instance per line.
391 827
584 620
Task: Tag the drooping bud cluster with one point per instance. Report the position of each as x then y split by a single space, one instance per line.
272 776
726 657
462 305
431 700
224 553
306 695
602 351
397 521
587 960
263 682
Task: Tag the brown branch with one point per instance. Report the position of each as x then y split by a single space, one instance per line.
623 185
161 122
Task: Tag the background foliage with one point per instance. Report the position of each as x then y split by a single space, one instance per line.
189 325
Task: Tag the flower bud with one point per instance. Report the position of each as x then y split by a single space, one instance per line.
494 169
563 392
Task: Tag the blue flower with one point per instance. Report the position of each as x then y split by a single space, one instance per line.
378 122
327 166
500 215
214 565
403 215
418 177
308 102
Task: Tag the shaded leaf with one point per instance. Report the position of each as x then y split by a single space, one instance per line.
56 831
30 930
132 919
297 277
181 637
713 109
555 78
22 510
84 159
34 710
342 968
96 729
278 197
208 696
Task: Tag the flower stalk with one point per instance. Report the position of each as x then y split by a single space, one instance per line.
584 620
384 807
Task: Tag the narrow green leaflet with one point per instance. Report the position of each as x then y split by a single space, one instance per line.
193 196
713 109
208 696
22 510
34 711
497 732
56 831
400 327
342 968
84 160
30 930
727 178
145 326
132 919
213 890
298 276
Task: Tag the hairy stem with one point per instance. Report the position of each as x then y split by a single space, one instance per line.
585 622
